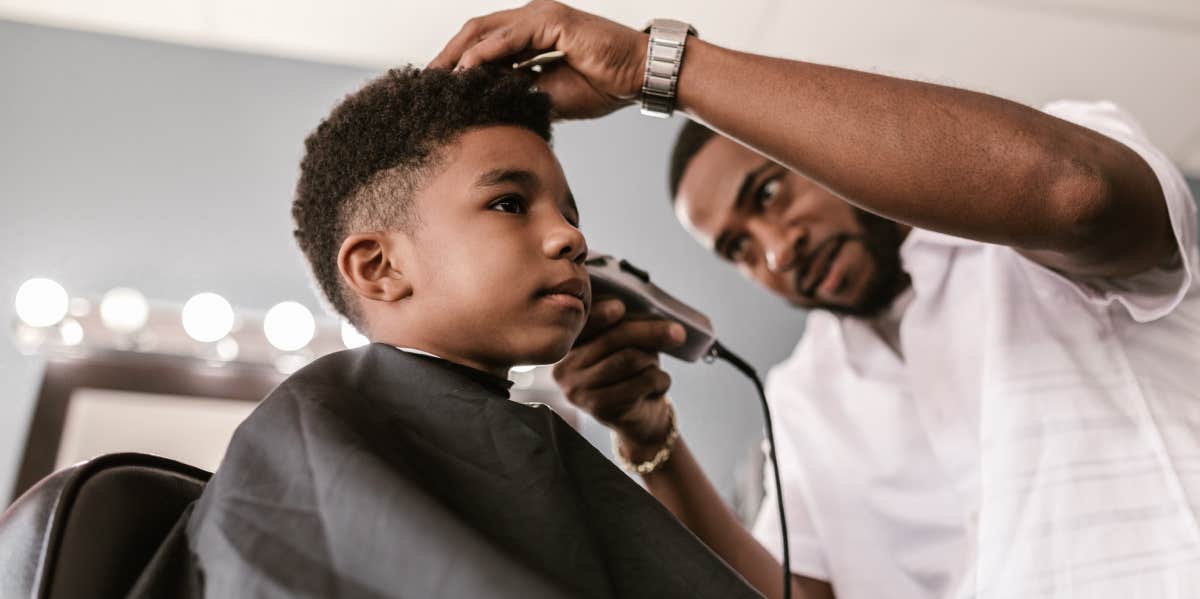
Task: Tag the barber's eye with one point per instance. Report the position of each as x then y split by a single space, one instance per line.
735 251
513 204
767 191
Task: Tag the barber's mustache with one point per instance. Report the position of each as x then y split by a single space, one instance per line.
831 245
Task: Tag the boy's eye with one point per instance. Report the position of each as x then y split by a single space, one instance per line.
766 192
513 204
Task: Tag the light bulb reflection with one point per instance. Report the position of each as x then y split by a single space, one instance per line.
351 338
71 332
124 310
41 302
289 326
228 349
207 317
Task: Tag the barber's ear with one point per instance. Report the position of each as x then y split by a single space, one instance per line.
370 265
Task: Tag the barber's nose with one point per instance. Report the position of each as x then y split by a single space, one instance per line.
779 246
565 242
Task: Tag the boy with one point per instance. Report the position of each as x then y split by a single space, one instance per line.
437 220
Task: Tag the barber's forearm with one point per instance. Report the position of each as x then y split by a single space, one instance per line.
936 157
680 484
684 489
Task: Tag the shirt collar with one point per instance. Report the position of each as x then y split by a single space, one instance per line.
917 237
486 378
419 352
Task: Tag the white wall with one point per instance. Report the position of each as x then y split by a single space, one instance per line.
1143 54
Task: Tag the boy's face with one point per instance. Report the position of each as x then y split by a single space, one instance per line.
495 257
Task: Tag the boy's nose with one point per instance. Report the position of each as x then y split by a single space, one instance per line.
566 242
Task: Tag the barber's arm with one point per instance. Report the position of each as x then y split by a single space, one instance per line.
939 158
613 372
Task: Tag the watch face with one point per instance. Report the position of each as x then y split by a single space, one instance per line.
671 26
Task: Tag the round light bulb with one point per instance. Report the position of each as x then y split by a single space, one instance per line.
289 326
71 332
207 317
41 302
228 349
351 338
124 310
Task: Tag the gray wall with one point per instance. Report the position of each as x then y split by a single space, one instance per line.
170 168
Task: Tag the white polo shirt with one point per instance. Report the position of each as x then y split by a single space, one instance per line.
1040 436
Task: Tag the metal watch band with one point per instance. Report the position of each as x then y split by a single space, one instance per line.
664 58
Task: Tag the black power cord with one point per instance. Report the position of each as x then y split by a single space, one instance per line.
722 352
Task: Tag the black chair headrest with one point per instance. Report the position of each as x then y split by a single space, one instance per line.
90 529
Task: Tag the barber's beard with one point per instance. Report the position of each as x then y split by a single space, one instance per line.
881 239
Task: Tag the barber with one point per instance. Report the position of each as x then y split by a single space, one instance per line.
997 387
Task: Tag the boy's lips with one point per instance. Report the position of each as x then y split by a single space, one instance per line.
573 292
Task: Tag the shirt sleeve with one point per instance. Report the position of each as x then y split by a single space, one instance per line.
807 555
1152 294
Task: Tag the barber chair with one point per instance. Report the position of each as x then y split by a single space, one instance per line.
91 529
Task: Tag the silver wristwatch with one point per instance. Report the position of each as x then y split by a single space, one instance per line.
664 57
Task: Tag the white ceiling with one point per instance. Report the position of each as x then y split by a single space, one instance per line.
1143 54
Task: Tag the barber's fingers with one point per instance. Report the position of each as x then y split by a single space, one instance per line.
507 41
619 366
623 389
612 404
604 313
574 96
506 32
654 335
605 61
470 34
612 369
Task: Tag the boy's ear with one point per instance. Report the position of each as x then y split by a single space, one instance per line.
370 265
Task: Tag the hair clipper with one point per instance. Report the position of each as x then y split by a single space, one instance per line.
618 278
611 276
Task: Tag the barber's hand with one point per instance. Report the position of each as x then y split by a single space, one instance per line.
613 373
604 65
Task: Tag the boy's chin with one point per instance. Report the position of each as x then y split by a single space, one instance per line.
546 353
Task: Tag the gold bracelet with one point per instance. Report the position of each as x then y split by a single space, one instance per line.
660 457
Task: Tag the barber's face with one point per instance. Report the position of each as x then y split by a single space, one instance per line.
788 233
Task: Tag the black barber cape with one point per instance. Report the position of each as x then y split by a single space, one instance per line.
379 473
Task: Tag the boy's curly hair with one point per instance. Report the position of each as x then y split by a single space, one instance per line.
366 159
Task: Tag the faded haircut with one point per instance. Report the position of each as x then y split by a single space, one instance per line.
364 162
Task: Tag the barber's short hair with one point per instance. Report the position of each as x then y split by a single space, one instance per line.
365 161
692 137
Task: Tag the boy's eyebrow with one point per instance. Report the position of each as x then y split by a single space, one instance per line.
506 175
521 177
